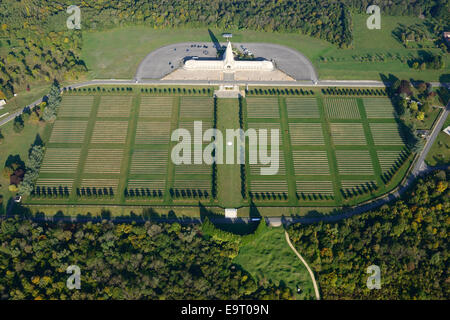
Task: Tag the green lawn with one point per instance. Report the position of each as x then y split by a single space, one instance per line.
18 144
116 53
376 42
440 151
270 260
229 179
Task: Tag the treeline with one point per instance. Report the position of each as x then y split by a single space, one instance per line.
438 9
121 261
408 240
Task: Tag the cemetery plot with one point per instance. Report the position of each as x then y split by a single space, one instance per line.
105 187
355 187
152 133
76 106
306 134
306 188
153 188
60 160
149 162
156 107
53 186
110 132
390 160
379 108
386 134
275 186
193 169
196 107
354 162
114 106
189 126
302 108
262 108
339 108
348 134
103 161
311 162
255 169
68 131
257 126
199 186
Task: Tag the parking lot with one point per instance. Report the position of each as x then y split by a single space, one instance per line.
164 60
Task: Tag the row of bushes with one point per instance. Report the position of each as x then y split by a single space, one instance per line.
313 196
55 192
99 89
359 191
268 195
277 91
189 193
143 192
95 192
206 91
354 92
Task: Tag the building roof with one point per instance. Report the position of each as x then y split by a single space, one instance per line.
230 213
447 130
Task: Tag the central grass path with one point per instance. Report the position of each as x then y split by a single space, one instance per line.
228 175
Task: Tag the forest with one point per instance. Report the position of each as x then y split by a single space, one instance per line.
408 240
122 261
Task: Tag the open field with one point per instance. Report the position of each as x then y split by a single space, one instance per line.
106 60
124 157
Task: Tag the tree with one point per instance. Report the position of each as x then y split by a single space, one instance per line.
54 99
414 106
18 124
421 116
405 87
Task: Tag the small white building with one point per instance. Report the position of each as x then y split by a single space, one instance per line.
2 102
447 130
230 213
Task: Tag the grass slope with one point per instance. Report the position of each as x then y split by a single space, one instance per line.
269 259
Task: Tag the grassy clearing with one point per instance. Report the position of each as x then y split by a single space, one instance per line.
18 144
376 43
440 151
106 59
270 260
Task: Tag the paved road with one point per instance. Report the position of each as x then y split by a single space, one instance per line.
420 165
